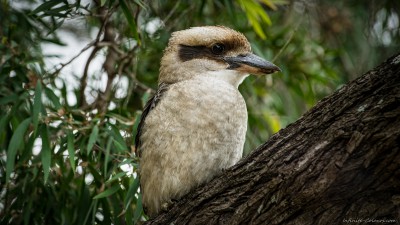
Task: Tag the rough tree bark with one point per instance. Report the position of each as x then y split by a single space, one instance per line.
338 164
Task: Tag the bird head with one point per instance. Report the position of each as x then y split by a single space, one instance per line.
215 51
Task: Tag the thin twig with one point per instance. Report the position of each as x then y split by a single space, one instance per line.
171 12
288 41
111 45
104 19
91 44
283 48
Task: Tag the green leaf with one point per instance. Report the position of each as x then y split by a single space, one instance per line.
61 9
71 150
136 124
138 210
121 119
37 105
118 141
9 99
3 122
16 141
117 176
92 139
230 9
107 156
130 19
46 152
53 98
27 211
119 146
116 207
254 13
145 97
88 212
141 4
129 217
133 187
46 6
108 192
94 210
98 179
264 16
273 3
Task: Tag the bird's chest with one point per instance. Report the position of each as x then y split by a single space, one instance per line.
196 130
208 104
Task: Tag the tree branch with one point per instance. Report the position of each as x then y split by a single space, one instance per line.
104 15
340 161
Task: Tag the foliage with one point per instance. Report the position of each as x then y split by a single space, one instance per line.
74 158
66 150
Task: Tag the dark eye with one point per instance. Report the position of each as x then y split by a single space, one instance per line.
218 49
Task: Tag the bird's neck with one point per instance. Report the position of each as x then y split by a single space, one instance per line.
177 74
232 77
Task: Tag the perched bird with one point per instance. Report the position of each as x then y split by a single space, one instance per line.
195 125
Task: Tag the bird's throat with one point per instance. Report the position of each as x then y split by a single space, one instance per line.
232 77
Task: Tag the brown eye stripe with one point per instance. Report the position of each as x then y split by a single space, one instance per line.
187 53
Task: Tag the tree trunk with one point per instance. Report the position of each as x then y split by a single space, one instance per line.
338 164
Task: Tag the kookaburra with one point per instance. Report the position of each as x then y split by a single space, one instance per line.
195 125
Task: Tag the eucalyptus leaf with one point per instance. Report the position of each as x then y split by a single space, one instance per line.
37 105
15 142
71 149
45 152
92 139
107 192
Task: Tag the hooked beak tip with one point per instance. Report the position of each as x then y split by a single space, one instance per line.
252 64
277 70
273 69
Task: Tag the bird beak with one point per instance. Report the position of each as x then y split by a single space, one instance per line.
251 64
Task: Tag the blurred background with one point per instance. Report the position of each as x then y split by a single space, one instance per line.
75 75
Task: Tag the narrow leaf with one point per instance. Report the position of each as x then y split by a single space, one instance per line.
133 187
61 9
138 210
92 139
145 97
71 150
118 139
230 9
130 19
119 146
9 99
108 192
136 124
46 152
3 122
37 105
27 211
129 216
117 176
16 141
107 156
46 6
141 4
53 98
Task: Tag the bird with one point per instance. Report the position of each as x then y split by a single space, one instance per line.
194 126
